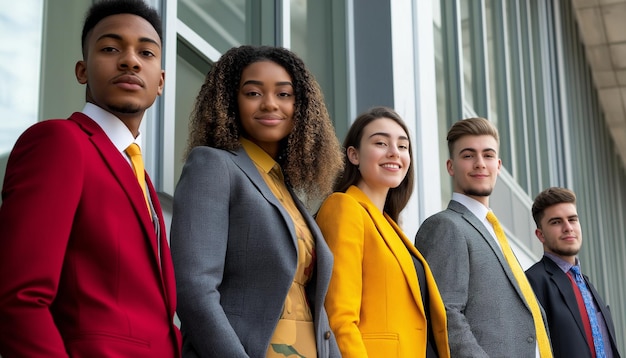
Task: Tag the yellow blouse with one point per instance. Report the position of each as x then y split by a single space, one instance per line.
295 331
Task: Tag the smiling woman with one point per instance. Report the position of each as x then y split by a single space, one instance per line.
266 104
382 300
21 34
251 265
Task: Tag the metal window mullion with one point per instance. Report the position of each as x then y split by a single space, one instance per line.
480 58
453 60
503 77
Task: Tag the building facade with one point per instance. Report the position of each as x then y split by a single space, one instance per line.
519 63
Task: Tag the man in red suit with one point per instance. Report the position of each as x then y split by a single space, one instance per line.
84 263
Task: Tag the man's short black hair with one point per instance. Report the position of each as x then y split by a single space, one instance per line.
105 8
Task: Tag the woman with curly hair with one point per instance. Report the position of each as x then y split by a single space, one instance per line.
382 300
252 268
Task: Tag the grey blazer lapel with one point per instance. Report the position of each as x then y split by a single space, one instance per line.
243 161
486 235
480 227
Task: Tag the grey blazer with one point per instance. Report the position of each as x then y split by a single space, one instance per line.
234 250
487 315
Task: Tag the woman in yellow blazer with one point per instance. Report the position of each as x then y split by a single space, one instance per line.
382 300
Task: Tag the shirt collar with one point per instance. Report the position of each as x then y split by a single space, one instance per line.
562 264
478 209
112 126
258 155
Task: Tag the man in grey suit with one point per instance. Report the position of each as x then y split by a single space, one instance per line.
488 314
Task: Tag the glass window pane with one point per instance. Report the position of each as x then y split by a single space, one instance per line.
519 72
497 49
491 49
298 23
191 70
222 23
442 100
468 46
318 36
20 35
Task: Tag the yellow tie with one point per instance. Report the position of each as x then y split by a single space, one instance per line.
134 153
542 336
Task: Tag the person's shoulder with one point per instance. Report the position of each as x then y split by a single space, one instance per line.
540 270
339 199
341 196
53 124
50 131
538 277
203 150
219 164
339 205
446 225
205 154
536 269
447 215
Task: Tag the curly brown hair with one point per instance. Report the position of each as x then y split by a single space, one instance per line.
310 156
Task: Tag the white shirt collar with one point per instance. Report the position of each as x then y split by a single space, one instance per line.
478 209
114 128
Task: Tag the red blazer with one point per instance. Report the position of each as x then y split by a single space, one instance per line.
80 273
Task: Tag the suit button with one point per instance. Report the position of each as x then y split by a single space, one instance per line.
530 339
327 335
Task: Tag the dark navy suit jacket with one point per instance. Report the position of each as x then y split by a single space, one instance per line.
555 293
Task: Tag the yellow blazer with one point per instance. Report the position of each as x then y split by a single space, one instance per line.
374 302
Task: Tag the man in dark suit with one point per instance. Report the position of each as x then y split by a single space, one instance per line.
554 281
490 306
85 265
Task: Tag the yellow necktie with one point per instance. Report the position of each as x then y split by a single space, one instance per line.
542 336
134 153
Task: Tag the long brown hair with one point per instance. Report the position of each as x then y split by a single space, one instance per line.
397 197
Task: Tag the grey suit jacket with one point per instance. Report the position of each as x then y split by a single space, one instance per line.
234 251
487 314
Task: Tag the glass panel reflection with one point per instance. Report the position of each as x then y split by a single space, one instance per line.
222 23
468 46
491 52
20 34
298 21
442 108
191 70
